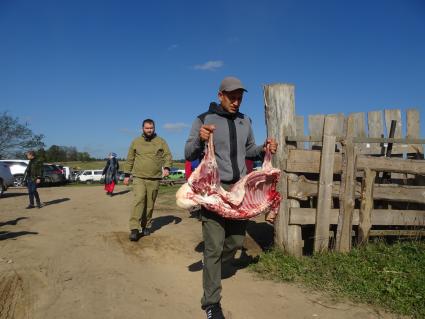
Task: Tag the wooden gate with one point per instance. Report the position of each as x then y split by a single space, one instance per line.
344 181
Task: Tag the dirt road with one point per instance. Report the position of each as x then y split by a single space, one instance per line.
72 259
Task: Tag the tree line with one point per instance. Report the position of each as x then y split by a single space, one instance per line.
17 138
56 153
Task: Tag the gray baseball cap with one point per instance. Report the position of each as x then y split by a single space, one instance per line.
231 83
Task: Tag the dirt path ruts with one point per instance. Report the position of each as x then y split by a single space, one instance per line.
72 259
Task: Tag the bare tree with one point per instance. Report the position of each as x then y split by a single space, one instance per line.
15 137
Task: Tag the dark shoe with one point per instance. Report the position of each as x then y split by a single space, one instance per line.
39 205
30 206
146 232
111 194
214 311
134 235
108 193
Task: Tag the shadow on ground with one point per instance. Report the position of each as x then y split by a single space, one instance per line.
121 193
10 235
200 247
56 201
6 195
228 269
13 221
262 233
161 221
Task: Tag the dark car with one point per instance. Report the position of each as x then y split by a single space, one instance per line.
52 175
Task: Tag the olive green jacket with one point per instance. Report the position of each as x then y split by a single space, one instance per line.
146 158
34 170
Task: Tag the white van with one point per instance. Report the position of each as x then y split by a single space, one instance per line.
17 168
6 178
90 175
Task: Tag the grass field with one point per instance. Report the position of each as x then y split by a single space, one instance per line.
388 275
101 165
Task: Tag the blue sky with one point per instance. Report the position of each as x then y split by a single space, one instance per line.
86 73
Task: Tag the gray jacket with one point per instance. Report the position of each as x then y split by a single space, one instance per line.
233 142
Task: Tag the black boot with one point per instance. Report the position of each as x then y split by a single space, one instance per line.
134 235
214 311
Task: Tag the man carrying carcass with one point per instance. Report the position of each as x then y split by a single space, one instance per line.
233 143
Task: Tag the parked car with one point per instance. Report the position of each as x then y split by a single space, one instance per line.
52 175
6 178
66 170
17 168
176 175
74 175
90 175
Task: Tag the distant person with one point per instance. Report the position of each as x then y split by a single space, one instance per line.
33 176
111 173
148 160
233 143
189 167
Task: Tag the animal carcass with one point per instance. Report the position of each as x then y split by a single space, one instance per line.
252 195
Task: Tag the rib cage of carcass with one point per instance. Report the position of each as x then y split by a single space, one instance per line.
252 195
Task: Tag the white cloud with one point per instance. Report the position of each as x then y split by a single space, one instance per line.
172 47
175 127
209 66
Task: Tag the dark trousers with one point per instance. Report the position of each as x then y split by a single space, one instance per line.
222 238
32 192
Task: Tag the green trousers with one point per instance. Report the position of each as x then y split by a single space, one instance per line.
222 238
145 192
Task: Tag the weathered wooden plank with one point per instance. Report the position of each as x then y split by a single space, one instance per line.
348 180
308 138
279 103
395 114
418 141
376 130
359 129
382 217
300 130
339 129
315 127
365 214
302 188
413 130
321 237
382 164
295 241
308 161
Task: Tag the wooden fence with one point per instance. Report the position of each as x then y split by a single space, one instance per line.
343 180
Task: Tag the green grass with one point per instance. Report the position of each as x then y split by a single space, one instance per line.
390 276
101 165
85 165
168 190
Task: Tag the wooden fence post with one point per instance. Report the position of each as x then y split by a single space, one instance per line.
348 180
279 100
365 214
324 198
